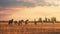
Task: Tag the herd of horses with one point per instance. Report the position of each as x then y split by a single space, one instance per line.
26 21
19 22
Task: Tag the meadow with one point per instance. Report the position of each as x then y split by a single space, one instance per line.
30 28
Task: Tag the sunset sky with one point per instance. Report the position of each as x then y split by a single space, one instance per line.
29 9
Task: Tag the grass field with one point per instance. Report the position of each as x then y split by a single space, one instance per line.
30 28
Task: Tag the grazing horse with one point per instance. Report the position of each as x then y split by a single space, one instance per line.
20 22
10 21
35 21
15 22
26 22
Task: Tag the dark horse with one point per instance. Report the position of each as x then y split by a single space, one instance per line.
35 21
20 22
26 22
10 21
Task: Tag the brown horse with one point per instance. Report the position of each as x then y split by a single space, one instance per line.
10 21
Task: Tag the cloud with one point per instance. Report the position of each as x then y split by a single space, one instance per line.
16 3
4 14
29 3
48 3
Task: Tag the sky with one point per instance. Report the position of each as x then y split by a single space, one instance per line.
29 9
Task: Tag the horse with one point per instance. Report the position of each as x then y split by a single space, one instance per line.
10 21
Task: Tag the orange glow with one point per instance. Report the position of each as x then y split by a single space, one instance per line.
36 12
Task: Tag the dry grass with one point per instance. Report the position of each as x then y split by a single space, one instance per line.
30 28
